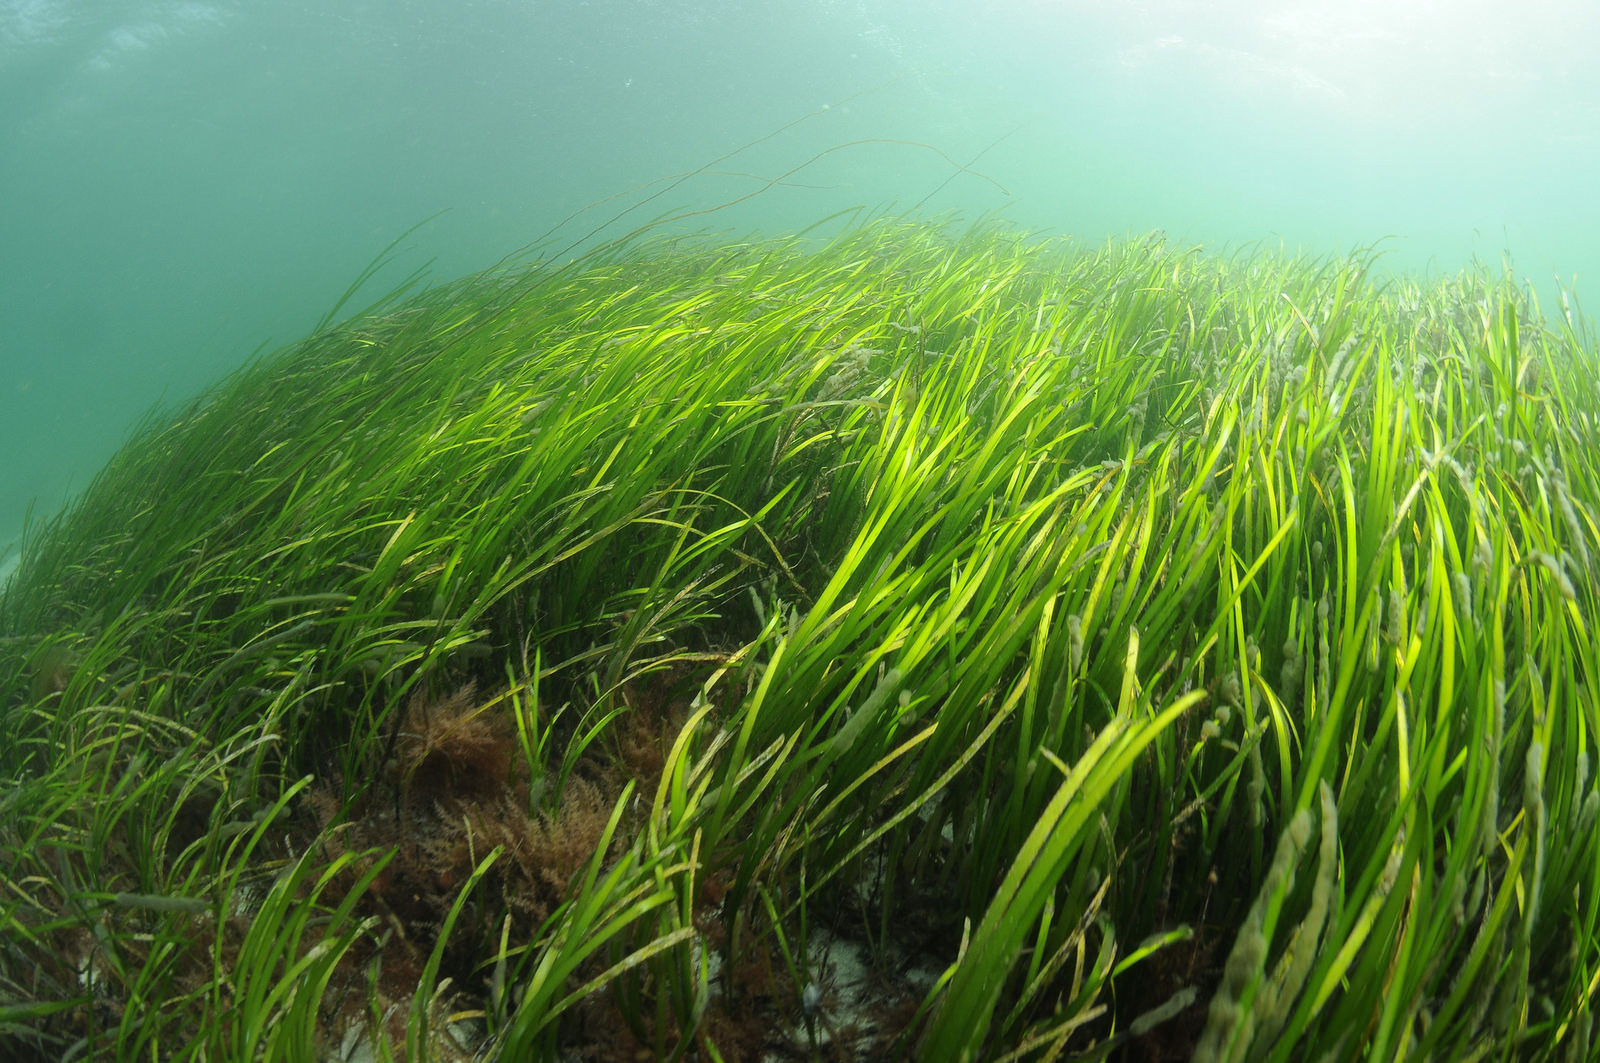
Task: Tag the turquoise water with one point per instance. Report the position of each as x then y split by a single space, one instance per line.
184 183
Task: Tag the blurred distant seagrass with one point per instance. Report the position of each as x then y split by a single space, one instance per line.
1123 650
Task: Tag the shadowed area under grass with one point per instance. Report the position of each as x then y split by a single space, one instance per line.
1116 652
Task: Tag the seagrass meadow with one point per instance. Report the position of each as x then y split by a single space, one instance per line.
1128 652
